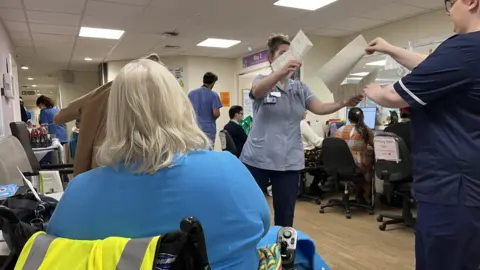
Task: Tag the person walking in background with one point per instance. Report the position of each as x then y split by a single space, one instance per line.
47 113
90 110
206 104
443 91
235 129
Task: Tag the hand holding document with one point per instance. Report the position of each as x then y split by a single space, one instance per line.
299 47
334 72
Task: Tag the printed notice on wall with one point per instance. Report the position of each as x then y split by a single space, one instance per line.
386 148
225 99
247 103
178 73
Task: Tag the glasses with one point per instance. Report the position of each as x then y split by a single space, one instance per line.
449 4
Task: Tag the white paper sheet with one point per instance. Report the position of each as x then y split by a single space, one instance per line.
299 47
350 90
334 72
30 185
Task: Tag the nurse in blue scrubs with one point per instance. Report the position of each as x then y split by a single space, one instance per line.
47 112
443 91
273 151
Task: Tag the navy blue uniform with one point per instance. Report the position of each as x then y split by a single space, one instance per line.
444 93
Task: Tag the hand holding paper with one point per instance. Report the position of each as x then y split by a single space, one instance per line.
299 47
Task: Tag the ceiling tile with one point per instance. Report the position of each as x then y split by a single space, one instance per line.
356 24
392 12
129 2
96 14
331 32
14 15
20 36
54 29
17 27
53 38
430 4
25 52
63 6
63 47
53 18
11 3
134 45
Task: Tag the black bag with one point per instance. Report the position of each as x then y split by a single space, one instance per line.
21 216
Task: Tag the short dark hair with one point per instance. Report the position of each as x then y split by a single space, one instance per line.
234 110
48 102
209 78
275 41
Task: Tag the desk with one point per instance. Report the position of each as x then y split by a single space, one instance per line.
4 250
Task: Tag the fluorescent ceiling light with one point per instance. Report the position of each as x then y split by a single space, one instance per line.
359 74
304 4
24 67
38 94
218 43
377 63
34 85
101 33
354 78
30 78
88 59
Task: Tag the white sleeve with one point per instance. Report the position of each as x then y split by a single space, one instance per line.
309 135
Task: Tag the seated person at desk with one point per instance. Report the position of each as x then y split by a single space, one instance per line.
358 137
311 143
404 128
235 129
157 170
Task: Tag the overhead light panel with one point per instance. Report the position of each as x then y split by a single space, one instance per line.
377 63
88 59
359 74
304 4
30 78
24 67
218 43
101 33
34 85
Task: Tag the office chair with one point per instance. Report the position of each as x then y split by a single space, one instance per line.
227 142
339 164
397 174
20 131
316 171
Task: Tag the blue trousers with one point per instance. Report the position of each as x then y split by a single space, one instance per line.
447 237
284 189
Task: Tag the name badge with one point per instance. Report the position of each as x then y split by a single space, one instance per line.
276 94
269 99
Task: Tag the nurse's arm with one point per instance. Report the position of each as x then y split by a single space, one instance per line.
386 96
261 87
322 108
406 58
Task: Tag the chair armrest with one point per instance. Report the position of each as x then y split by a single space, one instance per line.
55 166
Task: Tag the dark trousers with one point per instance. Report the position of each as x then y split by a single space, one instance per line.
284 189
447 237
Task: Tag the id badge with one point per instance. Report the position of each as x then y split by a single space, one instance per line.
269 99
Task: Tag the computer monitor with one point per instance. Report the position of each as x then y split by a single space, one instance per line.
370 114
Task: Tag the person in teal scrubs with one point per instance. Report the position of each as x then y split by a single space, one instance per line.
274 151
47 112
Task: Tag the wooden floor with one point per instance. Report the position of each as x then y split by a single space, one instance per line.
356 244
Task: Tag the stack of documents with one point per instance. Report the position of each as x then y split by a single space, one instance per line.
349 90
299 47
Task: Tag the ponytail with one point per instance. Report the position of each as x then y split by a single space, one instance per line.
355 115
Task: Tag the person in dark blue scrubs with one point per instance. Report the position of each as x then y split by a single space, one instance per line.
443 91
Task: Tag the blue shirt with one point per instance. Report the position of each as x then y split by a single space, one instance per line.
275 140
204 101
215 187
444 93
46 117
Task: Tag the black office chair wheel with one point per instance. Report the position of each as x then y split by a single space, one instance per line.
380 219
371 212
382 227
318 202
322 211
348 216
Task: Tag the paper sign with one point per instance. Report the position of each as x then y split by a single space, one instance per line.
350 90
30 185
334 72
225 99
299 47
386 148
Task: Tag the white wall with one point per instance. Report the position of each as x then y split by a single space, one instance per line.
8 107
85 81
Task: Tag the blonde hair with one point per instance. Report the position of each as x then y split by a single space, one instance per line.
149 119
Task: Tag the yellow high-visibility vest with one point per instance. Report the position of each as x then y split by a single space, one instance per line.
46 252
